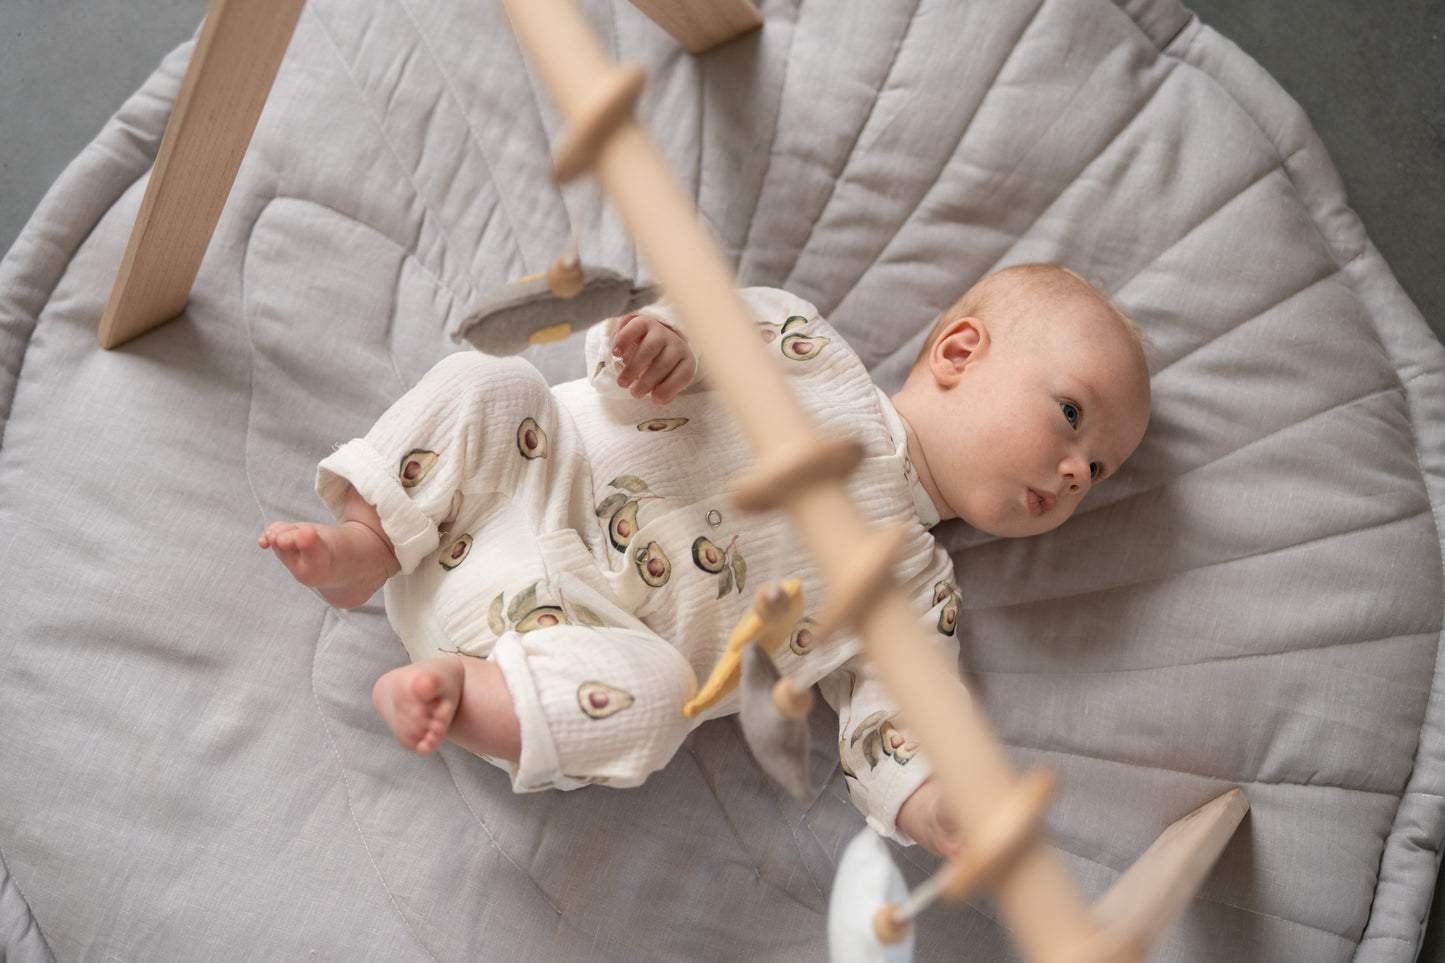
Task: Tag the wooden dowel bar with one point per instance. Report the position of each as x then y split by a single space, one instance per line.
588 128
1037 897
990 852
787 473
1012 827
860 579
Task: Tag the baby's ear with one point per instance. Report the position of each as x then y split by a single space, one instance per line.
959 344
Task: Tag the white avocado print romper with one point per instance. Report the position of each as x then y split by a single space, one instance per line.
583 540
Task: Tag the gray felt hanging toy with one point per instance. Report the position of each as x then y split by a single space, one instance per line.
542 308
774 721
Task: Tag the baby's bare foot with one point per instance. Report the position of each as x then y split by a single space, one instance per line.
419 701
301 549
346 564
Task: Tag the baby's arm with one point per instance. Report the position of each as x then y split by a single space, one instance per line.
925 818
654 358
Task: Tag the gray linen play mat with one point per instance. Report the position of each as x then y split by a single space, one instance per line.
191 768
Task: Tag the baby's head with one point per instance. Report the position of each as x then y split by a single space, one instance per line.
1030 390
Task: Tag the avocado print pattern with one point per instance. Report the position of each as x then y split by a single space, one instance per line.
652 565
657 425
415 465
620 509
843 731
896 744
600 700
528 613
531 439
802 347
881 739
795 344
772 332
948 594
726 563
456 553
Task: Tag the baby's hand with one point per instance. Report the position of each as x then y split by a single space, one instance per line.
655 359
926 818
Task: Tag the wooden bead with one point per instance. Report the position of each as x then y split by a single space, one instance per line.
772 603
1005 833
791 702
888 928
565 278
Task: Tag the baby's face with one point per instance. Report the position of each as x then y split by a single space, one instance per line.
1040 419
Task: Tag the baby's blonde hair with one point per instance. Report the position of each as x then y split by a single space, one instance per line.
995 299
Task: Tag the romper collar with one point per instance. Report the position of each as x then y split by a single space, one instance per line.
922 503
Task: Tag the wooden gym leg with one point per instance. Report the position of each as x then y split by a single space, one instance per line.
236 58
700 25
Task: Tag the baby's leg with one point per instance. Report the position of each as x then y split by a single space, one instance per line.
346 563
457 697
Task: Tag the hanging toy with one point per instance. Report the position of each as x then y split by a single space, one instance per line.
542 308
860 930
774 611
867 879
532 311
773 716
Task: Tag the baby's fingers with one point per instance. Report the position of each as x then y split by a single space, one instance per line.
674 381
631 332
638 362
662 372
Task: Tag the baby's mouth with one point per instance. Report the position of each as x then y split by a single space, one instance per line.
1041 502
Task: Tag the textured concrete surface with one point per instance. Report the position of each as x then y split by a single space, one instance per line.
65 67
1371 78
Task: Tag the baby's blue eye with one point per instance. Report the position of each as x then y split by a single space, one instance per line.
1094 469
1071 412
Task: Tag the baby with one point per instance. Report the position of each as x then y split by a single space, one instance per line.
563 564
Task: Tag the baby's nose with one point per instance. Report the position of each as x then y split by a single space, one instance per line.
1075 471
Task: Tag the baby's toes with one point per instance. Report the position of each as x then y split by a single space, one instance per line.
431 737
424 692
429 728
305 539
272 534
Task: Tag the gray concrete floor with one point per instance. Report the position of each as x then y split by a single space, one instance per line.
1371 76
65 67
